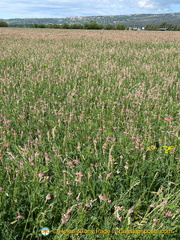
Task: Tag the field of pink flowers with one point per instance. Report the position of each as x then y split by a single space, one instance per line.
89 130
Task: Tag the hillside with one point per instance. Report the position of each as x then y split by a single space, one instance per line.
132 20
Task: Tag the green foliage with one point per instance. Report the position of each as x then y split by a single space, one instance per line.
109 27
89 135
76 26
163 26
120 27
65 26
151 27
3 24
40 26
51 26
92 25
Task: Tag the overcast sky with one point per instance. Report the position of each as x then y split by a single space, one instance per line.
67 8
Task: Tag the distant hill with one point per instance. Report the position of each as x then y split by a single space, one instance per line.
132 20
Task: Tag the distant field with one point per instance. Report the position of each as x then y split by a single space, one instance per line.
89 128
155 36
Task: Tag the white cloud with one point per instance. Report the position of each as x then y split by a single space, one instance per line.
157 5
146 4
63 8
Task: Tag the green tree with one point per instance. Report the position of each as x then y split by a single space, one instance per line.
76 26
120 27
86 26
152 27
92 25
3 24
163 25
56 26
109 27
41 26
65 26
49 26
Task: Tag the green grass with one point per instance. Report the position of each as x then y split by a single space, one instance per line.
77 118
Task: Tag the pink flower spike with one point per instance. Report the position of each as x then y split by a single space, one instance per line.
87 204
168 213
19 216
108 175
155 220
69 210
65 217
48 196
126 167
70 164
102 198
164 202
79 174
21 163
41 174
77 199
131 210
117 208
75 161
69 193
168 119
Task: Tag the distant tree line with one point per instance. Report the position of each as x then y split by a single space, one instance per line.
3 24
163 26
91 25
94 25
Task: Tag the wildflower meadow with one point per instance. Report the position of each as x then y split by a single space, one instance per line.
89 129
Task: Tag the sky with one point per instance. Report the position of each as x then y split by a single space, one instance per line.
73 8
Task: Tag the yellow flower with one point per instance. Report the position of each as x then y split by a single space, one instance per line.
152 147
170 147
167 148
